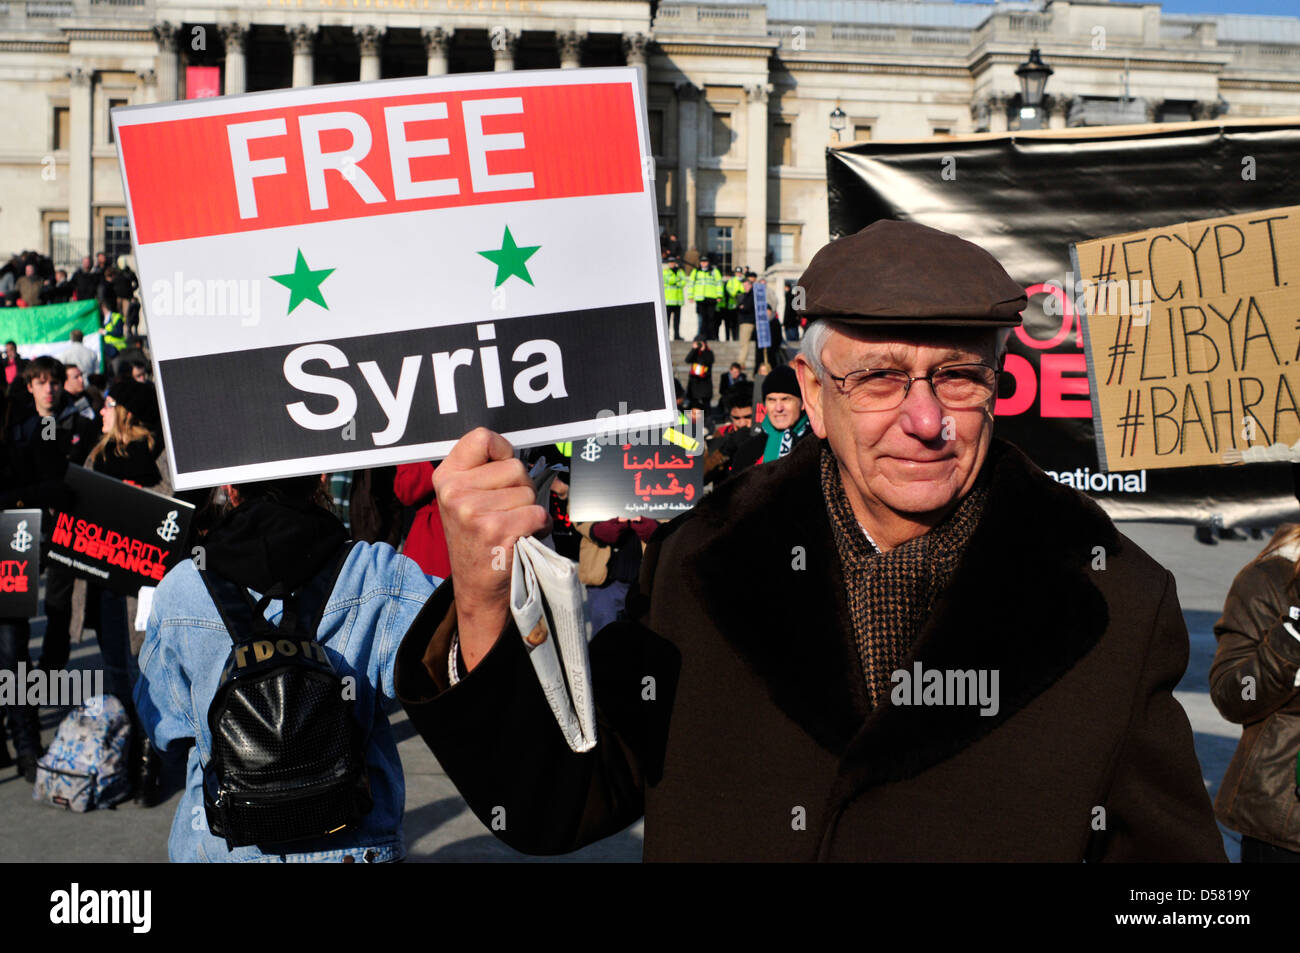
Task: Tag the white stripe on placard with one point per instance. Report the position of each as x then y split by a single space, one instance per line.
430 256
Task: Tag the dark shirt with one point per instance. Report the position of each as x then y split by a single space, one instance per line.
124 284
745 307
86 284
134 463
58 292
36 466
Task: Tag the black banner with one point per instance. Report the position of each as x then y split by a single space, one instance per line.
20 556
656 481
412 387
1026 199
118 535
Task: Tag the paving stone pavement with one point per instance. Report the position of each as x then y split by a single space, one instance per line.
439 825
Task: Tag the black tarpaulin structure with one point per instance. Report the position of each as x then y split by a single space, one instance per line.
1026 197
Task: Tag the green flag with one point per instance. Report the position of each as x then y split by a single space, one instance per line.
47 329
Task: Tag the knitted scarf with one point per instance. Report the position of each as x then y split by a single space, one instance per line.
890 595
780 442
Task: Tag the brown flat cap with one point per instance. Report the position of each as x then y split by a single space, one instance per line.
903 273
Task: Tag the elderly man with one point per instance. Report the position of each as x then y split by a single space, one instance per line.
954 658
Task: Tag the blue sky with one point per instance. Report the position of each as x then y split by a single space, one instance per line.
1285 8
1277 8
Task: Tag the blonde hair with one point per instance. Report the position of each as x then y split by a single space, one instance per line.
126 430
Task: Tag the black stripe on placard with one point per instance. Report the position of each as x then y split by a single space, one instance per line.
286 402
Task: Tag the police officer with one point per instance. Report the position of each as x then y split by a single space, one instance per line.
114 334
706 290
675 281
732 291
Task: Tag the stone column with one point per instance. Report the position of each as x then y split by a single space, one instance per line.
504 44
688 153
998 104
235 36
303 38
80 219
437 42
368 38
756 136
168 66
634 45
570 45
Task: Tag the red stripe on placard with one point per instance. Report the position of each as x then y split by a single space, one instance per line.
182 174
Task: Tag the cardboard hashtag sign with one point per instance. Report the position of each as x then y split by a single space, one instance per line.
1193 341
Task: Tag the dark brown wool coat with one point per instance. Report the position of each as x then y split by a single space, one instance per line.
758 744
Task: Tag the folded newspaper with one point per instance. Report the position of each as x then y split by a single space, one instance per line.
556 642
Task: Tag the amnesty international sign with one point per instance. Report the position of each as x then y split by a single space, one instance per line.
1193 341
659 481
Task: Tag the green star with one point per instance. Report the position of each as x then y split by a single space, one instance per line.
304 284
510 258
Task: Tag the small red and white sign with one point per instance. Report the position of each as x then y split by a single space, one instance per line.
348 276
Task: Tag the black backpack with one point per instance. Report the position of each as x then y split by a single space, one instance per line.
288 759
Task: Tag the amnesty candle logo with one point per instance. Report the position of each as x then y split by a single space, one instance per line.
22 540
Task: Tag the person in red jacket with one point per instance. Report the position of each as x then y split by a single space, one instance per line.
426 543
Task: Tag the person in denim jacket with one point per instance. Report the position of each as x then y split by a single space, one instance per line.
276 532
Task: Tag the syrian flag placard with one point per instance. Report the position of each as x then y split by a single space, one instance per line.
356 275
47 329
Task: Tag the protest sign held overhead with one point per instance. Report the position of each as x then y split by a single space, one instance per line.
118 535
20 557
519 208
1192 341
762 329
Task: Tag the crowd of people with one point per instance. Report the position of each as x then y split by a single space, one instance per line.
724 304
377 579
105 417
29 279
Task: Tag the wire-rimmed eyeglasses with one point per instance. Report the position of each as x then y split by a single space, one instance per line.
955 386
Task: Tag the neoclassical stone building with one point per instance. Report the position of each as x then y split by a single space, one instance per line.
741 95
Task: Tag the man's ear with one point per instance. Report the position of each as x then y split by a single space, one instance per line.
812 394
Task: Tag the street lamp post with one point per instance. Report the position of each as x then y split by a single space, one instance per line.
839 121
1033 75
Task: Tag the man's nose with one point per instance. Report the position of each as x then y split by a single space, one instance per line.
921 414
